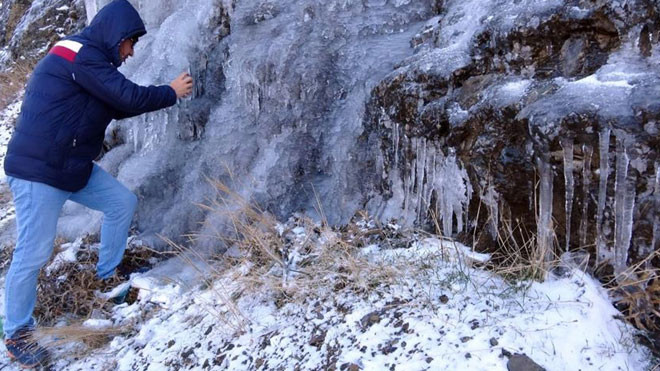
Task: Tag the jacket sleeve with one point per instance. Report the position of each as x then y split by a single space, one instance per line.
103 81
120 115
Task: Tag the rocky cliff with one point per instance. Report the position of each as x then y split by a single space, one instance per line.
495 120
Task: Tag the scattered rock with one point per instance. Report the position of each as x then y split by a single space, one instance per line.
349 367
444 299
493 342
370 319
520 362
318 338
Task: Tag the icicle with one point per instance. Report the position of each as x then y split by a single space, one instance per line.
491 199
604 147
624 203
656 219
135 132
449 193
395 139
466 206
545 230
409 184
567 145
587 151
421 170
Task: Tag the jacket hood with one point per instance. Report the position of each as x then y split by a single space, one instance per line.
114 23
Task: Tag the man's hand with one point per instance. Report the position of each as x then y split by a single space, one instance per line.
182 85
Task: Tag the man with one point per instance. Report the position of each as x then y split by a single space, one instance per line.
73 94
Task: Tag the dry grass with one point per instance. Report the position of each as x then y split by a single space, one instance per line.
518 256
13 80
92 338
638 294
70 290
288 264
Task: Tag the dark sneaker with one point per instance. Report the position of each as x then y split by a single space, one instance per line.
23 349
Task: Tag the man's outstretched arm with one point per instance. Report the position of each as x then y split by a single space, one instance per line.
182 85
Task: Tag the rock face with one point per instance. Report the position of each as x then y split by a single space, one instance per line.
551 113
29 27
487 118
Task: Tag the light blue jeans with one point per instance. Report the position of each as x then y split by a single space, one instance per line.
38 207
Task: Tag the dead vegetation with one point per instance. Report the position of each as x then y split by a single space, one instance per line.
637 296
69 292
13 80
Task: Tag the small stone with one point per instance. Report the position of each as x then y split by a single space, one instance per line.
465 339
468 355
493 342
349 367
444 299
370 319
520 362
429 359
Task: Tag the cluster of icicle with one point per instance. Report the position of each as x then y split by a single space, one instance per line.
434 176
624 201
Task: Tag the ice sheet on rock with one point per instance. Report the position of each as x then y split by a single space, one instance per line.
289 96
463 20
510 93
607 100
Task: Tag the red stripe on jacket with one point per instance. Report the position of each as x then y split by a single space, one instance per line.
63 52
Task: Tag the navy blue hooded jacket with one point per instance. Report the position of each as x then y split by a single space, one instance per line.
73 94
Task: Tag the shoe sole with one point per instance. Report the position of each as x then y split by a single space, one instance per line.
22 365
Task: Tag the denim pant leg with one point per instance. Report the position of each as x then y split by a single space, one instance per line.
106 194
37 209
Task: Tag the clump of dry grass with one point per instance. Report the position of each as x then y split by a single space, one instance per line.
518 256
637 293
70 292
13 80
291 262
91 338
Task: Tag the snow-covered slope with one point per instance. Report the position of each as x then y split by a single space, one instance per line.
426 308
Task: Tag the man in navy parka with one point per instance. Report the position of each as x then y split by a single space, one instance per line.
73 94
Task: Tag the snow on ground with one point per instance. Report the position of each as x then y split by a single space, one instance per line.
434 312
7 120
